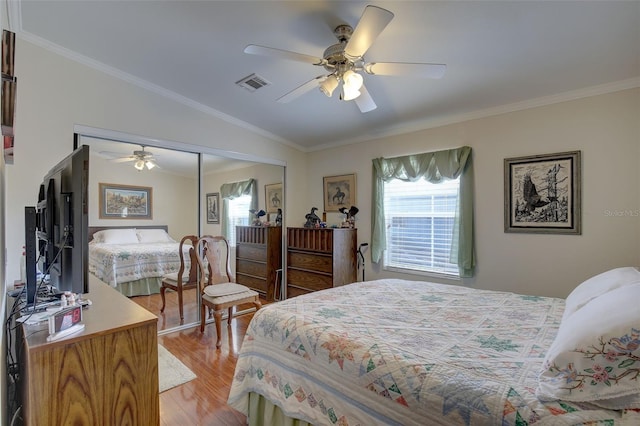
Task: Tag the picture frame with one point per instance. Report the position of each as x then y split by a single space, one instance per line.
273 197
119 201
213 207
542 193
339 191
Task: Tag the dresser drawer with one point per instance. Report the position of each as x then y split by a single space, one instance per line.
309 280
258 284
295 291
312 262
250 267
246 251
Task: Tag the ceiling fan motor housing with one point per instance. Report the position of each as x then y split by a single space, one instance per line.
337 60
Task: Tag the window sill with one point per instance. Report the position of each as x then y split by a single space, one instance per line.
439 275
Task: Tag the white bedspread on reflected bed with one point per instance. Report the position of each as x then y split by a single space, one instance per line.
120 263
406 353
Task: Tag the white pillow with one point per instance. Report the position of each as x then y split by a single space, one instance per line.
599 285
120 236
226 289
98 237
154 236
595 355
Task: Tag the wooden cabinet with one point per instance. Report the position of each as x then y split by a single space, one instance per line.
106 374
320 258
258 258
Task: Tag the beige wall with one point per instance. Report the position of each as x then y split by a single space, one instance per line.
605 128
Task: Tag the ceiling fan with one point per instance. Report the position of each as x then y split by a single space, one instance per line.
344 61
141 159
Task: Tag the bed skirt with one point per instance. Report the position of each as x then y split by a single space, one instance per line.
141 287
263 412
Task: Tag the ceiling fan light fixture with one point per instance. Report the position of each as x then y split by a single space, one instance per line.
139 165
150 164
329 85
352 80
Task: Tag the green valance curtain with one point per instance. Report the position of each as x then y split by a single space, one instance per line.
434 167
229 191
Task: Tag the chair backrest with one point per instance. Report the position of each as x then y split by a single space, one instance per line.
213 261
193 259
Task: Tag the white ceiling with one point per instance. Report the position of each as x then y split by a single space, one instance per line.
500 55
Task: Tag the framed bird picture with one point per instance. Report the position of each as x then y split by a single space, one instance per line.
542 193
339 191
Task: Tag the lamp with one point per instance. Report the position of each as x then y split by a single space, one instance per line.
150 164
329 85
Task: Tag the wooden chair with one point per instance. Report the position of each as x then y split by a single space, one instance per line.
217 288
185 278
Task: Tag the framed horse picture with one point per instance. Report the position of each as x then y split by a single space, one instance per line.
339 191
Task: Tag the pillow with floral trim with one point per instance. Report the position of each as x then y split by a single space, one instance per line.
595 356
120 236
599 285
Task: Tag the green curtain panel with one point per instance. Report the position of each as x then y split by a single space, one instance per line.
229 191
434 167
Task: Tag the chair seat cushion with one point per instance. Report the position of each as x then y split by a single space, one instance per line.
172 278
225 289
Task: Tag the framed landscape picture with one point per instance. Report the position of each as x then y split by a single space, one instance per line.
125 201
213 207
273 197
339 191
542 193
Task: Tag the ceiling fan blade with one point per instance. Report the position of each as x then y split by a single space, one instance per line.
302 89
123 159
373 20
365 101
254 49
406 69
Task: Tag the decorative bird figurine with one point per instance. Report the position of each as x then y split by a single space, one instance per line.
257 215
312 218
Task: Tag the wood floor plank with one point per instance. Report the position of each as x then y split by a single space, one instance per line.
203 401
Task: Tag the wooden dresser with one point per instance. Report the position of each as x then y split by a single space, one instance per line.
258 258
106 374
320 258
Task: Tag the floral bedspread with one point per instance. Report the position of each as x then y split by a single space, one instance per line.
398 352
120 263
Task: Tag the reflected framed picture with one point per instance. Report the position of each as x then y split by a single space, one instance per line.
213 207
125 201
273 197
542 193
339 191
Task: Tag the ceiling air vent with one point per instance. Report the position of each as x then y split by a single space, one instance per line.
252 82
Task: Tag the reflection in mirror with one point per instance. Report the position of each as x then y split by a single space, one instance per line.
235 192
170 179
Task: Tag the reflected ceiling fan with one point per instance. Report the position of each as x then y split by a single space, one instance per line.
141 159
344 61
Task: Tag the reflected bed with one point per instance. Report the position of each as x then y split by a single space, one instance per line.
133 267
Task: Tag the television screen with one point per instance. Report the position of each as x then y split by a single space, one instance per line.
62 222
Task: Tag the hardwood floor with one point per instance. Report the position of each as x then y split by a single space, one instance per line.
202 401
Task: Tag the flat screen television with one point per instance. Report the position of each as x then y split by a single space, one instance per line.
62 219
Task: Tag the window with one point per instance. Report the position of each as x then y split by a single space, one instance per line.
419 219
238 214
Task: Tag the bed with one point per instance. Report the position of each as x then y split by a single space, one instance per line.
396 352
133 260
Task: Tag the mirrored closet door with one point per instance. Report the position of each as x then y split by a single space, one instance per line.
183 197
